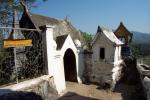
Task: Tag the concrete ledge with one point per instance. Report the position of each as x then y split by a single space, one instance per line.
146 82
144 69
24 85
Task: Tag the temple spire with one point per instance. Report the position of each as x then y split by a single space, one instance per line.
24 6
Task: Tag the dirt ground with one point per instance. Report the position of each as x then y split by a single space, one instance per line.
88 92
77 91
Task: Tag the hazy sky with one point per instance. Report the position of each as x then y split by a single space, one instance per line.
88 14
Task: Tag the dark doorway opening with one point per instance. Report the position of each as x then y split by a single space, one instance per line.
70 66
102 53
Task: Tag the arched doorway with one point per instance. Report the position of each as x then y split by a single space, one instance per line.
70 66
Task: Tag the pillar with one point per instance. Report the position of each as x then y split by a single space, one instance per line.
50 47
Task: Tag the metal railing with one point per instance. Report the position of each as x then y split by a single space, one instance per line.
18 64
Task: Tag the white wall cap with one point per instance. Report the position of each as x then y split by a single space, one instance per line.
49 26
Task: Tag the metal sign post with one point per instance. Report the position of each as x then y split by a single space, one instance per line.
14 37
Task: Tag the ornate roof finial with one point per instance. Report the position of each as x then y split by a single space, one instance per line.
121 23
24 6
66 19
99 29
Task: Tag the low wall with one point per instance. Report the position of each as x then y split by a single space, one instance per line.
87 69
146 84
42 88
97 72
145 74
101 73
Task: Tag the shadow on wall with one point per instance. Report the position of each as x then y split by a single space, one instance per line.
75 96
6 94
130 85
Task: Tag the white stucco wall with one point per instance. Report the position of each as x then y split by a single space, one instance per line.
59 72
55 61
69 44
101 68
103 42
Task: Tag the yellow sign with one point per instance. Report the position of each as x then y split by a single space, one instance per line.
17 43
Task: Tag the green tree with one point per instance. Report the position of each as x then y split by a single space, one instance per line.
87 38
8 6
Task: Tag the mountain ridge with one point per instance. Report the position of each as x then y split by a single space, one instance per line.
140 38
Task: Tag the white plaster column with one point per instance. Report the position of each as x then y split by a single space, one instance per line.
50 48
119 52
54 62
116 54
80 64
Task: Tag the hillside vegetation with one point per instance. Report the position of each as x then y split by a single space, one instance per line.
141 46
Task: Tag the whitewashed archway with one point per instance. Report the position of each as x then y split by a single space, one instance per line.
69 44
69 62
58 69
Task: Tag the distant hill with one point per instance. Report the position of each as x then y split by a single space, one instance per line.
140 38
141 45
